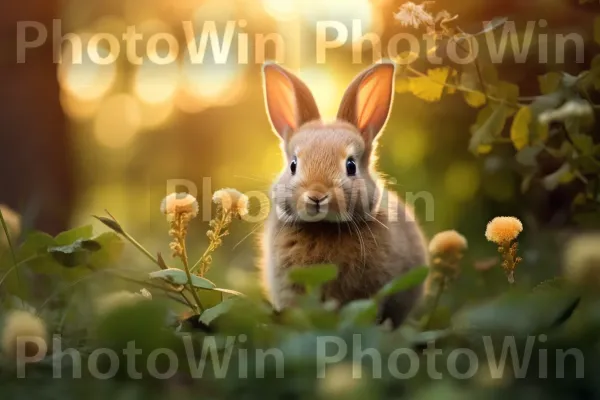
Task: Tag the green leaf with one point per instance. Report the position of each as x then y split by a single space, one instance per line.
36 243
179 277
550 82
583 143
74 254
411 279
111 249
314 275
489 125
359 313
220 309
68 237
518 313
527 156
230 292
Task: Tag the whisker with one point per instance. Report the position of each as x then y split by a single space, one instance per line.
259 225
378 221
253 178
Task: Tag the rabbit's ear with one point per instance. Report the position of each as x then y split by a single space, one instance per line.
290 104
368 100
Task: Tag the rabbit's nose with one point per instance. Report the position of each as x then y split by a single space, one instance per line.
317 198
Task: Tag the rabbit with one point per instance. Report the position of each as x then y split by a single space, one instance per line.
328 206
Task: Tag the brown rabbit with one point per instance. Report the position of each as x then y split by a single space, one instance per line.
328 205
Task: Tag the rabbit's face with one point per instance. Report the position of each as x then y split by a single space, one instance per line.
327 175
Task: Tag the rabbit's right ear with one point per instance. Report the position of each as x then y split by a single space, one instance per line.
290 104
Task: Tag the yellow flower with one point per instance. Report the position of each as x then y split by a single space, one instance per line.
31 331
113 301
582 259
179 203
447 242
502 230
232 201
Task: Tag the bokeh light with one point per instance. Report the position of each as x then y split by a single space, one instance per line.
347 12
118 121
156 83
409 147
462 180
85 80
156 115
76 108
212 82
324 88
281 9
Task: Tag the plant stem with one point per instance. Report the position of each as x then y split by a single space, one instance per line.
141 248
211 246
436 302
184 260
510 266
159 287
465 89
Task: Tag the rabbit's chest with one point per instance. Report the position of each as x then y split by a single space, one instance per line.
360 259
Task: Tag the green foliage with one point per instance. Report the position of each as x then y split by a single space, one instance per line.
179 277
313 276
558 122
405 282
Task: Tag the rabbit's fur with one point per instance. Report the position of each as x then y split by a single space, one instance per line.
323 212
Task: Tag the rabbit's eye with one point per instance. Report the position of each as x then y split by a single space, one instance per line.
293 166
351 167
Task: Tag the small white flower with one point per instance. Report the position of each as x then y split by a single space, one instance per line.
411 14
179 203
24 328
582 260
232 200
116 300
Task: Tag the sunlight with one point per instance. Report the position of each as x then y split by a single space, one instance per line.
118 121
281 9
211 82
324 88
85 80
155 115
344 11
156 83
77 108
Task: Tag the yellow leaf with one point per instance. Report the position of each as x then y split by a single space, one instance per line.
475 99
431 87
549 82
484 149
519 132
597 30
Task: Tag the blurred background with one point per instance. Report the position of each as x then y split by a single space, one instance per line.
82 138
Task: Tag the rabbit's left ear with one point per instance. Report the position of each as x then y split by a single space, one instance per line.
368 100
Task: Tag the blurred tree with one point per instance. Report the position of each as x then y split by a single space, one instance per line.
35 169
